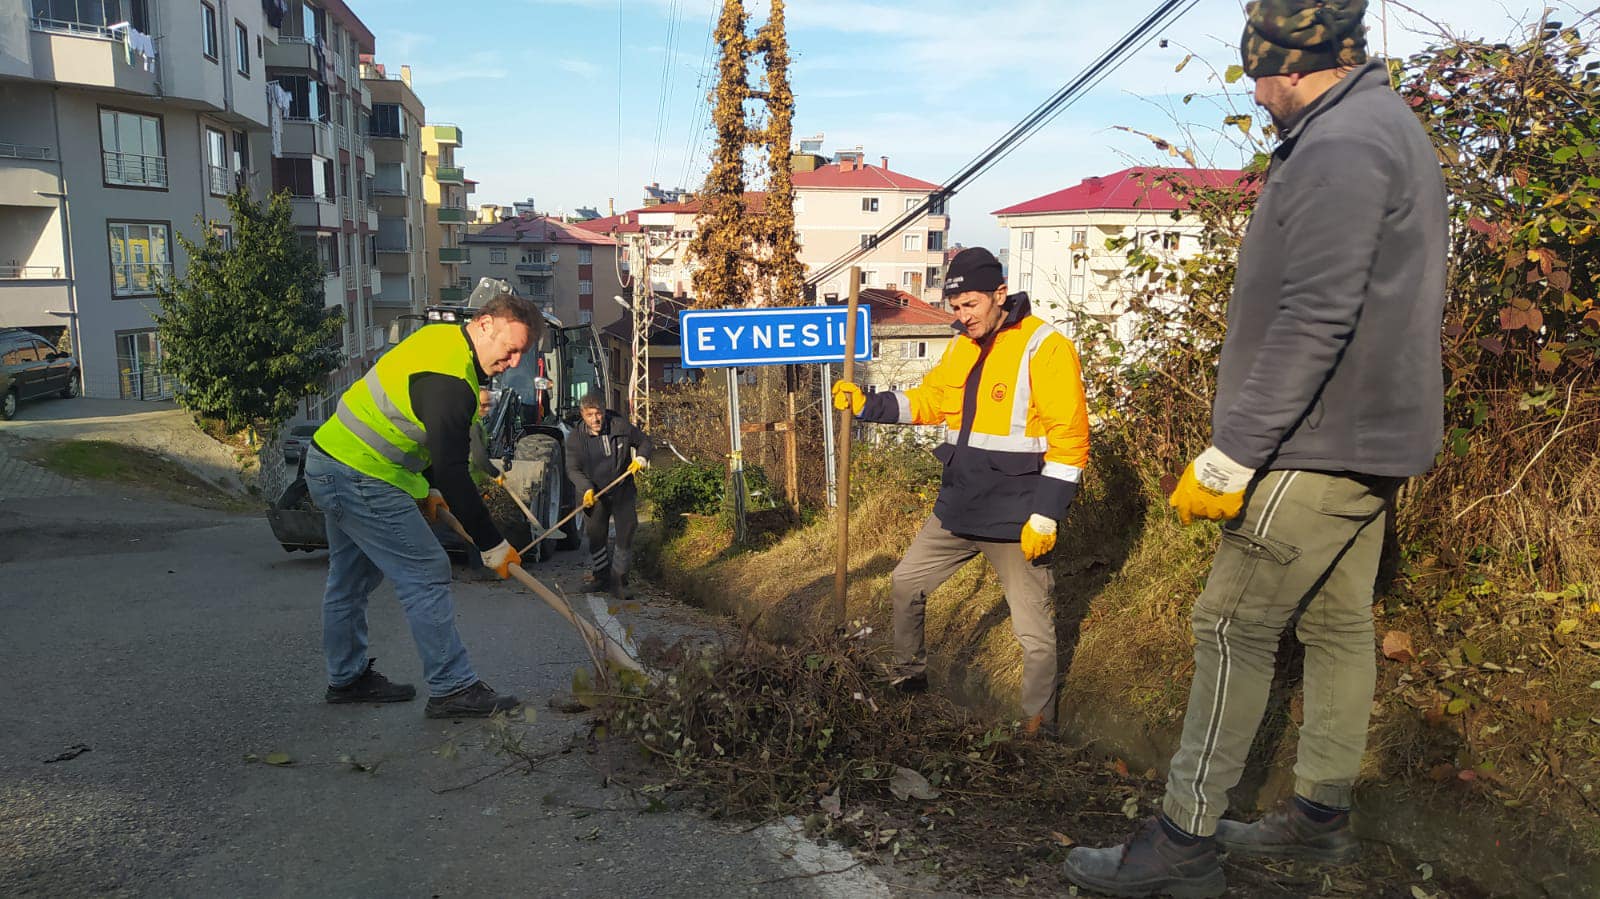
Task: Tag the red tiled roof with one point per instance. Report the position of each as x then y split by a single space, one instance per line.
891 306
755 201
860 177
1139 188
538 229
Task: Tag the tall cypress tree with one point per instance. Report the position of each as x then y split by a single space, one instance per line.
720 248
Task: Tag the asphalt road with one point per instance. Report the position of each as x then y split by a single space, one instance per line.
175 644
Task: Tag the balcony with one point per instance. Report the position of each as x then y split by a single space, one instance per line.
394 248
452 215
372 218
445 135
10 150
454 255
343 135
89 55
30 272
315 212
544 269
387 134
28 175
453 294
344 208
450 174
292 52
307 137
133 170
388 190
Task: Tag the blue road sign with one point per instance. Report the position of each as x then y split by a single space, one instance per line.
783 335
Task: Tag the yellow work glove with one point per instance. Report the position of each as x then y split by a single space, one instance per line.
1212 488
431 504
1038 536
638 463
848 396
588 498
501 558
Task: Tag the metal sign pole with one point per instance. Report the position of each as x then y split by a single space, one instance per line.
827 430
841 561
736 457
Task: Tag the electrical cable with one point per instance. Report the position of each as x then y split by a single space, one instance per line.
1165 14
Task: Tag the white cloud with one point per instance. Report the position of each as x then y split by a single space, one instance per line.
580 67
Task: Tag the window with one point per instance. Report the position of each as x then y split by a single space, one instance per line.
913 243
868 241
241 153
867 277
914 349
936 205
869 204
1027 240
1026 281
139 256
208 31
497 256
911 203
585 316
241 46
936 241
585 288
224 232
70 15
132 149
910 279
311 177
1080 237
533 257
20 352
933 276
139 365
673 373
586 255
217 177
387 121
1169 240
308 98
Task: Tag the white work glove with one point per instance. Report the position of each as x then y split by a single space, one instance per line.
1038 536
1212 488
500 559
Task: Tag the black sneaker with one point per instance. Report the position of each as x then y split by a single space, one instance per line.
1289 832
371 687
1151 863
477 701
593 583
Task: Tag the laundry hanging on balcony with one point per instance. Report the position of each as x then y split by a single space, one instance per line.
275 11
136 41
278 103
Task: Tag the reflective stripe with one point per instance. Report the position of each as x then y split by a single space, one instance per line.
380 398
376 442
1005 443
905 407
1022 399
1062 472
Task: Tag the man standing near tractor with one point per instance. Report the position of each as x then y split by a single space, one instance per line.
394 454
605 447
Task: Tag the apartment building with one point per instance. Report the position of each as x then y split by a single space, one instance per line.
445 187
326 161
123 122
568 270
1057 242
839 206
404 230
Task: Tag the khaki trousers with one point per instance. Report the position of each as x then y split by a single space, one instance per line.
934 555
1307 544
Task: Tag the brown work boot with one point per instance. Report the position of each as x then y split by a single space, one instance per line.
1037 728
1292 830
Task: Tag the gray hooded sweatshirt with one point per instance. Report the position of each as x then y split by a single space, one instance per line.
1332 356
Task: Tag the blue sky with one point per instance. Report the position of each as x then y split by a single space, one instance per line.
534 84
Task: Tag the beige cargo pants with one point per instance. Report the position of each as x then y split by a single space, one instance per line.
934 555
1307 542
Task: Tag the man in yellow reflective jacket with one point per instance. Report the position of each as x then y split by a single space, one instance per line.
394 453
1010 395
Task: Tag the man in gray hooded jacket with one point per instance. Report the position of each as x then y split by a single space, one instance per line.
1329 393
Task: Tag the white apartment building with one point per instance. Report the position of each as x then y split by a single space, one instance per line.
839 206
1056 249
121 122
571 272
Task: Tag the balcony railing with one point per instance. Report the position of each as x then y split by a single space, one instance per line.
220 180
29 272
133 169
453 294
349 279
343 134
452 215
387 134
394 248
453 255
23 151
345 207
450 174
69 26
535 268
445 134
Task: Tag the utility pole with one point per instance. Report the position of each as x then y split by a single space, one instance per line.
642 307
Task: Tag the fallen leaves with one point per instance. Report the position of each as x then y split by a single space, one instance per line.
908 784
1397 647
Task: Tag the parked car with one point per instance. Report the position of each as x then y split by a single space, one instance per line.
31 367
296 442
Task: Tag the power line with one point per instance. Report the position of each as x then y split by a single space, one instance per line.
1166 13
702 102
664 101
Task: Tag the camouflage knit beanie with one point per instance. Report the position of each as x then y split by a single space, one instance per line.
1284 36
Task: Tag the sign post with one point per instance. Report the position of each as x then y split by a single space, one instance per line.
780 335
841 558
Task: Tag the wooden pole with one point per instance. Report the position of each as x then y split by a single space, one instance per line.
841 562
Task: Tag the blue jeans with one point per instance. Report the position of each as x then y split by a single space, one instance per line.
375 530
